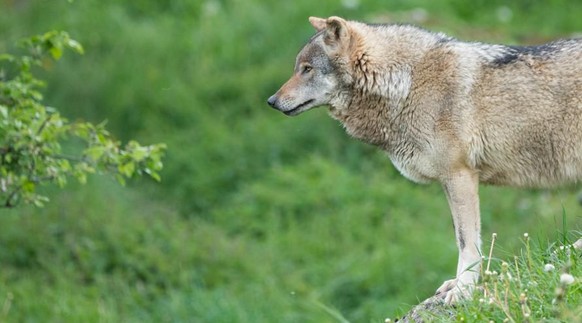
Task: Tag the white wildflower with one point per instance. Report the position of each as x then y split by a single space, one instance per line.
566 279
549 267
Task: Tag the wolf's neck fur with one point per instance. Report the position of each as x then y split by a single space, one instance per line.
381 81
364 116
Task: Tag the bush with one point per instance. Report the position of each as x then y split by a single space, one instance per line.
32 135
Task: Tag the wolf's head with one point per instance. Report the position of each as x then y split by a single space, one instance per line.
317 77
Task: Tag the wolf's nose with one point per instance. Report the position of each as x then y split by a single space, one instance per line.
272 101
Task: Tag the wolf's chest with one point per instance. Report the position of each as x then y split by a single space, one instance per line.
407 148
412 161
418 169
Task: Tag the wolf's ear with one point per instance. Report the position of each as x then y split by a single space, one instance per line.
318 23
337 31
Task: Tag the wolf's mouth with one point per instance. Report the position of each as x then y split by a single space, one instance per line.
297 109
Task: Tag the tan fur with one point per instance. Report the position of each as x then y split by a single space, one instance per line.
449 111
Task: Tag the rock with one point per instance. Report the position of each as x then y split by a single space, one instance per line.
427 311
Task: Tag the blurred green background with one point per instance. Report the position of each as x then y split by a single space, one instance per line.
259 217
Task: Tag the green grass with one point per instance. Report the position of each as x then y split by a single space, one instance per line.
541 284
259 217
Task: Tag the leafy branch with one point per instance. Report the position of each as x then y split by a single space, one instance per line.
32 135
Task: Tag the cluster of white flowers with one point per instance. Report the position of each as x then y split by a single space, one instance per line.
567 279
549 267
505 275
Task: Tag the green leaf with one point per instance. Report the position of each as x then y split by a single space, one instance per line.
39 200
127 169
28 187
56 52
4 111
74 45
153 175
120 179
94 152
139 154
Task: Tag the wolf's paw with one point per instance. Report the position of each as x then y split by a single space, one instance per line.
578 244
453 291
446 286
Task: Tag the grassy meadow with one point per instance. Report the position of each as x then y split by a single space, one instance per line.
259 217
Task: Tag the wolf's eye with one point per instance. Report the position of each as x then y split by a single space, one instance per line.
306 69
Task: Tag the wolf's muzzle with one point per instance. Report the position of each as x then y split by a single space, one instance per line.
272 101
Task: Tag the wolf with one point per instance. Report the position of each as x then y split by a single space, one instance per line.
459 113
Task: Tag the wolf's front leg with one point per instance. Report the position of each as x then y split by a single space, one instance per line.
461 189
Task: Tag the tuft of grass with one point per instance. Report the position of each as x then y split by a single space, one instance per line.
543 283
